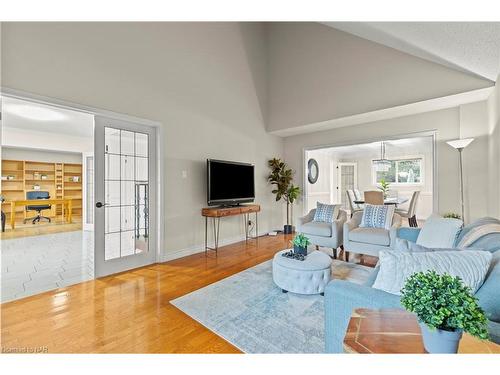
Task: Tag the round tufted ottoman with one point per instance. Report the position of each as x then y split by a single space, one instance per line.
304 277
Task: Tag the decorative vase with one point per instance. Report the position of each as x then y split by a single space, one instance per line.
299 250
440 341
287 229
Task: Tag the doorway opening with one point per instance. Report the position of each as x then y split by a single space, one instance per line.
44 245
79 195
346 172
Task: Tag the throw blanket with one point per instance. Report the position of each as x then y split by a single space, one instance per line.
474 234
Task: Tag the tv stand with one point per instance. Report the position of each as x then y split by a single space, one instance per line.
216 213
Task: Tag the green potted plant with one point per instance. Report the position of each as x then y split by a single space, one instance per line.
384 186
445 307
452 215
300 243
282 178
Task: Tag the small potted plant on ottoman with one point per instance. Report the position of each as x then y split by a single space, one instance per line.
300 243
445 307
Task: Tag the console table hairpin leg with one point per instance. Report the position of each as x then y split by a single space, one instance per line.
247 230
216 227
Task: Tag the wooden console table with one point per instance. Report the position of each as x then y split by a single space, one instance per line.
216 213
388 331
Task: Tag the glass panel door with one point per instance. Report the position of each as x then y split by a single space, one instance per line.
125 195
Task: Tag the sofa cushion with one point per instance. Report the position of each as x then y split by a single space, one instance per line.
326 213
317 228
377 216
375 236
439 232
396 267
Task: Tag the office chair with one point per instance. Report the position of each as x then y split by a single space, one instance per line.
38 208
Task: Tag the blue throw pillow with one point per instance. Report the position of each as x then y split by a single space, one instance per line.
377 216
326 213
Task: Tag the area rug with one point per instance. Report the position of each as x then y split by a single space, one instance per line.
251 312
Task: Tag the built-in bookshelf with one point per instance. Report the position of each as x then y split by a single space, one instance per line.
61 180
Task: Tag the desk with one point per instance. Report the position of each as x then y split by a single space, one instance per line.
389 331
395 201
217 212
66 202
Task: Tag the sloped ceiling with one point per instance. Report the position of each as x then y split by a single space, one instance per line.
472 47
318 73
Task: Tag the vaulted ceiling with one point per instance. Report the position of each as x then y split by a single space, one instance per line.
472 47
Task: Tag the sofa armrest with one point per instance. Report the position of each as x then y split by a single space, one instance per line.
408 234
338 226
341 299
393 232
305 219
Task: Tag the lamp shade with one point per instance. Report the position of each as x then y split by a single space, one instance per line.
460 143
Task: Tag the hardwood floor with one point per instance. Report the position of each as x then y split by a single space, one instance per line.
130 312
29 229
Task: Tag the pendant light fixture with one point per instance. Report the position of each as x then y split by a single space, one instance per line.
382 164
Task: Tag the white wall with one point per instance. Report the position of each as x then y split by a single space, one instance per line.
447 125
9 153
203 81
317 73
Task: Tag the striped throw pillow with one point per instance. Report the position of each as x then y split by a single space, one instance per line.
326 213
375 216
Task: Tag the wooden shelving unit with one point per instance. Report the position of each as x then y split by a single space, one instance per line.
61 180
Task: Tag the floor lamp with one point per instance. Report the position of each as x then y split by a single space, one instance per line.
460 144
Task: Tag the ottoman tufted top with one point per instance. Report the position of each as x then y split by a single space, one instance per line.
314 261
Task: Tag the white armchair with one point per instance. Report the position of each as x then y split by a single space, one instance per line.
369 241
320 233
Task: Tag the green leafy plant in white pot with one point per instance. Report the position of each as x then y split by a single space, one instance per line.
445 308
300 244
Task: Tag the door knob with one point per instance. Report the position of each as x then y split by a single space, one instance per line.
99 204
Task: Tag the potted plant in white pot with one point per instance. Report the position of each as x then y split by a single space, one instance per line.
445 308
282 178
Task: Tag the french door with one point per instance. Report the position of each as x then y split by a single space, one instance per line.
125 225
347 179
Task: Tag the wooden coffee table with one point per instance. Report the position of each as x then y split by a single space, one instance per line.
397 331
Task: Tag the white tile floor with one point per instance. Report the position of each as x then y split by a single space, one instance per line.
32 265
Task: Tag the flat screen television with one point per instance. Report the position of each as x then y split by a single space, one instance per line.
229 183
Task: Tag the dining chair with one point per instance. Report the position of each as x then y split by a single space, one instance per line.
374 197
410 214
351 197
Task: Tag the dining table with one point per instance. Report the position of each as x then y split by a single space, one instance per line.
391 200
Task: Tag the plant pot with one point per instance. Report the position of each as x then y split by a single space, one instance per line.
440 341
299 250
288 229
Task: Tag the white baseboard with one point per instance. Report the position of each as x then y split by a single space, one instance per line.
181 253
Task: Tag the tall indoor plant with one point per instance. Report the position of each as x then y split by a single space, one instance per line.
445 307
281 177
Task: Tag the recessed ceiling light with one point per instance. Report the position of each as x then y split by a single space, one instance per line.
32 112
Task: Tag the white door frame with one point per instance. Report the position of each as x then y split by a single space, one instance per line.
339 177
86 226
160 137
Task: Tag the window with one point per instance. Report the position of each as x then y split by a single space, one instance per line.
402 171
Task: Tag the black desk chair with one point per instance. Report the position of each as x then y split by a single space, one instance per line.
39 207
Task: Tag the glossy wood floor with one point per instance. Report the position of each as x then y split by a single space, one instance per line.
130 312
29 229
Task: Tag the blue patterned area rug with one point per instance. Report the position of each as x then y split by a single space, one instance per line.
251 312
